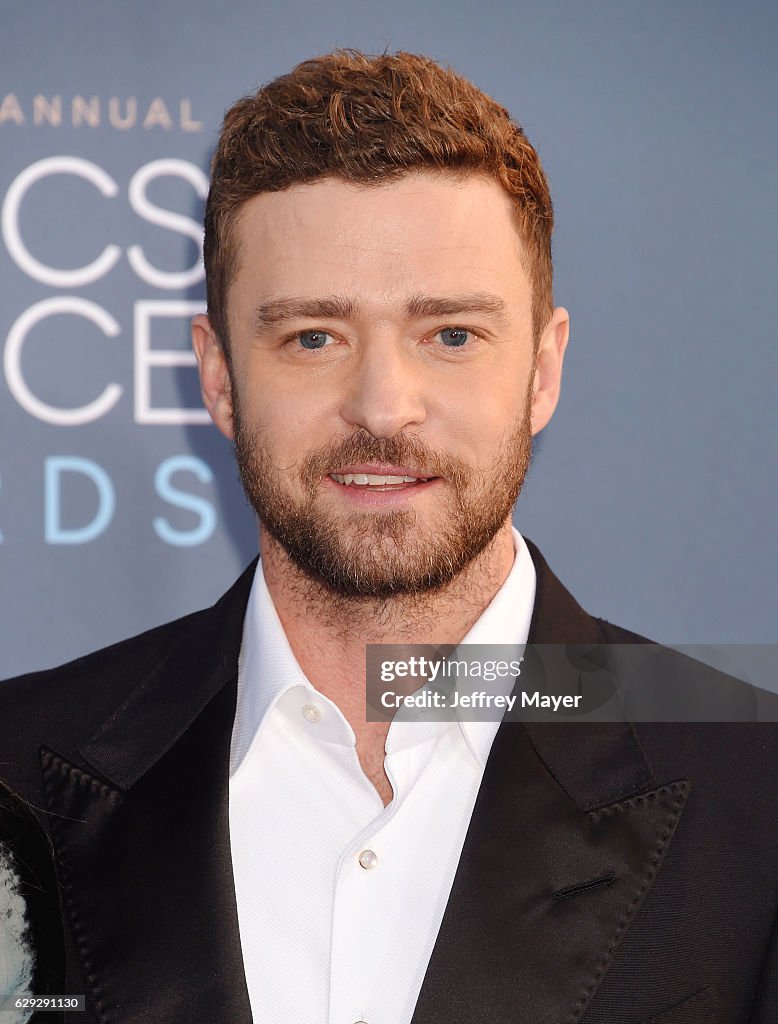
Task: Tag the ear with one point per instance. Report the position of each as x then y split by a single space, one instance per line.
215 385
548 368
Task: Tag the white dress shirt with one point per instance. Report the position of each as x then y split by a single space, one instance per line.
339 898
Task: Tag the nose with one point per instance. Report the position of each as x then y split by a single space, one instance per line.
384 392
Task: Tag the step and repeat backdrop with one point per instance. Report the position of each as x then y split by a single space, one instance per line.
652 493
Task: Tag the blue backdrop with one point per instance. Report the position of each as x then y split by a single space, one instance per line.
653 492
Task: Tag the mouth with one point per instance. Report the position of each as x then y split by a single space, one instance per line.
376 481
379 484
380 478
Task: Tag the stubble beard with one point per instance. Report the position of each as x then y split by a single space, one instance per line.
388 553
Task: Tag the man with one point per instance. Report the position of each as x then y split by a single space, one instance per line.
230 836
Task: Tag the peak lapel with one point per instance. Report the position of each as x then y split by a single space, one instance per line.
141 833
543 895
567 835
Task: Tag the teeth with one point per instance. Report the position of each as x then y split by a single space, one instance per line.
371 479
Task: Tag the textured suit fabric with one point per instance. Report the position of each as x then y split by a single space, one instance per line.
612 872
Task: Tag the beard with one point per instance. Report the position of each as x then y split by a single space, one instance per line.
388 553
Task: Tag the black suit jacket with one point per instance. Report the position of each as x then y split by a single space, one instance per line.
617 873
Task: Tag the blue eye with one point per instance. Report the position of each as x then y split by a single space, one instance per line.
313 339
453 337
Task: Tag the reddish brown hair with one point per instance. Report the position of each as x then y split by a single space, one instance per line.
368 120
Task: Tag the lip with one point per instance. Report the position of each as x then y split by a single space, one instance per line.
382 469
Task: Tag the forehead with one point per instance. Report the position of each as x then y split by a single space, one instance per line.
424 230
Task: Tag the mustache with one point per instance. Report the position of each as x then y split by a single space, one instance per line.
401 450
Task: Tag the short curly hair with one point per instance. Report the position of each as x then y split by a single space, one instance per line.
367 120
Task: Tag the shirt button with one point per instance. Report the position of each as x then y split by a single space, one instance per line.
367 860
311 713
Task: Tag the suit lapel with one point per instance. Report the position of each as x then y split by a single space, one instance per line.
141 832
567 835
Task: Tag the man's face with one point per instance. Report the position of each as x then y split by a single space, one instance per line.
379 334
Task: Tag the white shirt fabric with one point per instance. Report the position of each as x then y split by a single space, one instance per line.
326 940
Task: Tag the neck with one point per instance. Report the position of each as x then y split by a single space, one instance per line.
328 632
325 628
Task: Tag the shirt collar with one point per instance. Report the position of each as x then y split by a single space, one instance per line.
267 667
505 620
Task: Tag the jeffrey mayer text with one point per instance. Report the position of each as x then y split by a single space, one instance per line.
479 699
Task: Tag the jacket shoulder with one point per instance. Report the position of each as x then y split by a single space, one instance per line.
48 708
613 634
687 712
136 652
162 672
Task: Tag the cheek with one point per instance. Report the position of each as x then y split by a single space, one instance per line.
293 430
478 416
282 403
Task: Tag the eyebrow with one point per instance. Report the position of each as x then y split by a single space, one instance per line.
339 307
